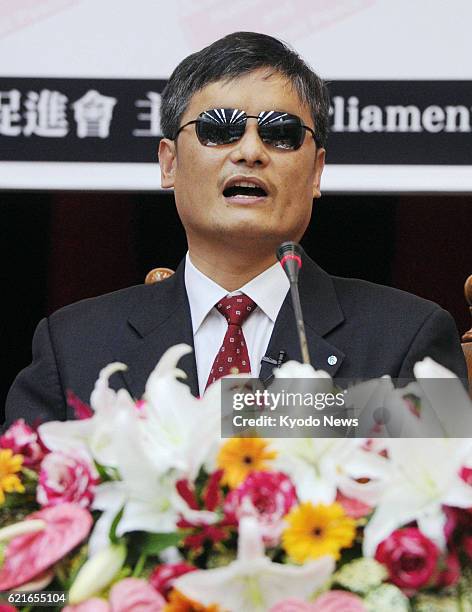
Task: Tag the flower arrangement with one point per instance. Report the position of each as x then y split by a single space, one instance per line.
142 505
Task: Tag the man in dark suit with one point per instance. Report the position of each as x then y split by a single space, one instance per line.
245 122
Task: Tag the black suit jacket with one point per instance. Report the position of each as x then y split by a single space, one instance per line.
355 329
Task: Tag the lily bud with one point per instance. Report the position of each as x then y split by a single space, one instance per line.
97 573
37 584
21 528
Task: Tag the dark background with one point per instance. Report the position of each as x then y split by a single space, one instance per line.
61 247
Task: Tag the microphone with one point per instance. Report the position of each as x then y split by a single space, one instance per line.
290 256
277 362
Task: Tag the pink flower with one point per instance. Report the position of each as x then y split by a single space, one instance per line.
66 478
23 440
458 522
335 601
135 595
267 496
292 605
96 604
451 573
128 595
353 507
163 576
410 558
458 529
7 608
28 555
452 520
466 475
467 545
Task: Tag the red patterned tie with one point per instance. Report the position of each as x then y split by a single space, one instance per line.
233 352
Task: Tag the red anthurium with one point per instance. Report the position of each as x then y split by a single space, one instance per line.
30 554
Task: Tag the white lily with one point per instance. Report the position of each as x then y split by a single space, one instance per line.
446 396
153 447
159 512
181 432
294 369
294 377
320 466
155 510
367 400
253 583
109 497
425 475
146 492
444 408
95 434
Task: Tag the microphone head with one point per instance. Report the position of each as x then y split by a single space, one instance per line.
290 256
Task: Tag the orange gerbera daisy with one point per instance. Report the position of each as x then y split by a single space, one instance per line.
10 464
178 602
315 531
238 457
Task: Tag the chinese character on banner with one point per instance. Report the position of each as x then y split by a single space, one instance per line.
46 114
10 112
153 103
93 114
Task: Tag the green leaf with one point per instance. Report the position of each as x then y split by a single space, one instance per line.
155 543
138 568
31 475
114 539
106 473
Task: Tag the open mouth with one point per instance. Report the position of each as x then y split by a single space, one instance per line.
244 190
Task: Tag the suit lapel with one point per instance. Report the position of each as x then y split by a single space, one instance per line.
321 312
160 321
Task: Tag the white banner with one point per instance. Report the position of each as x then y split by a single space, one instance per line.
58 56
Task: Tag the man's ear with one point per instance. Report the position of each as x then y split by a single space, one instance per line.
167 162
319 165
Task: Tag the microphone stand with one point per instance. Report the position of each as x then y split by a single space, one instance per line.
300 323
289 255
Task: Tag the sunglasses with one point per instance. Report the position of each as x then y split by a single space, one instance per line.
222 126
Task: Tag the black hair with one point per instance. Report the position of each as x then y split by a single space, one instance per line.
233 56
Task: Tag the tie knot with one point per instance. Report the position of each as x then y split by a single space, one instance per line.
236 308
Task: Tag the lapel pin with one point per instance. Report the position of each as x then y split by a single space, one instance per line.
332 360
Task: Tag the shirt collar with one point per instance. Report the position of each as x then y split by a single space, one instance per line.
268 290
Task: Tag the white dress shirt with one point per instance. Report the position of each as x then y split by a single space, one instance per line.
268 290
